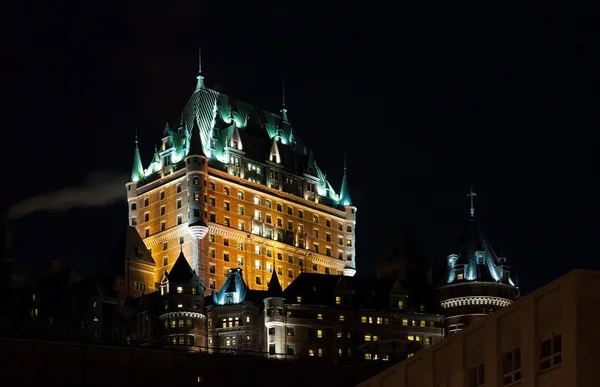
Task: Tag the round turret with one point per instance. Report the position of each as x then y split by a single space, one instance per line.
275 324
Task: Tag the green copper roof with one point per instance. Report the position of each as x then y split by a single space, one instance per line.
195 147
344 191
211 121
137 172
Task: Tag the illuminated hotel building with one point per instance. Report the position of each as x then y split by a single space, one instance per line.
236 186
477 282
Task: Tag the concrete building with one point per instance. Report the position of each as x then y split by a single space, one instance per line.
548 338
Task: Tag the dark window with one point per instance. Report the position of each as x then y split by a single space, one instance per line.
511 367
476 376
550 351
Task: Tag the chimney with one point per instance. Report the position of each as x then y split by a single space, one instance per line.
54 267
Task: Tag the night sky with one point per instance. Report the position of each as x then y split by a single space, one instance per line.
426 99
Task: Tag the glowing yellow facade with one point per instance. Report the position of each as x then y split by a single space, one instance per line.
208 192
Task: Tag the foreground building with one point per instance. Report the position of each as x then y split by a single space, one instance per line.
235 185
548 338
476 282
329 318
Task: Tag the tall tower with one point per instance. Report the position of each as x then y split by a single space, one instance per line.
182 296
477 281
350 211
235 187
196 165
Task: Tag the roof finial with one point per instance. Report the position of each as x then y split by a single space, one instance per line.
136 137
472 195
283 109
200 77
344 161
199 59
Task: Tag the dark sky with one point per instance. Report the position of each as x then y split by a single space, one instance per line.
426 98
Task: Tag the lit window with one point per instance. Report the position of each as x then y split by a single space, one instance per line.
367 337
180 305
299 299
379 320
342 317
311 352
247 319
375 337
459 276
411 338
95 318
179 289
405 322
338 300
422 323
319 316
363 319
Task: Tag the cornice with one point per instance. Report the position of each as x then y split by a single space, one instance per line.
475 300
181 314
164 236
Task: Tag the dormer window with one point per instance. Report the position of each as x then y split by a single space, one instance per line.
401 304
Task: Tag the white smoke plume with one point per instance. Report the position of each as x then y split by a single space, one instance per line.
98 189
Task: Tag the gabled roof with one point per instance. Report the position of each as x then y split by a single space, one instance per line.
130 247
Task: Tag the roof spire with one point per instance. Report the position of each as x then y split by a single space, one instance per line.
200 77
344 191
137 172
283 109
472 209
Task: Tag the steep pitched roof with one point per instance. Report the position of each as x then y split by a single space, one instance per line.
196 148
476 255
130 247
219 116
137 171
235 286
181 271
274 285
320 289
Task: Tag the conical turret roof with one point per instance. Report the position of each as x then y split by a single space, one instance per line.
137 172
195 142
181 271
274 285
344 190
